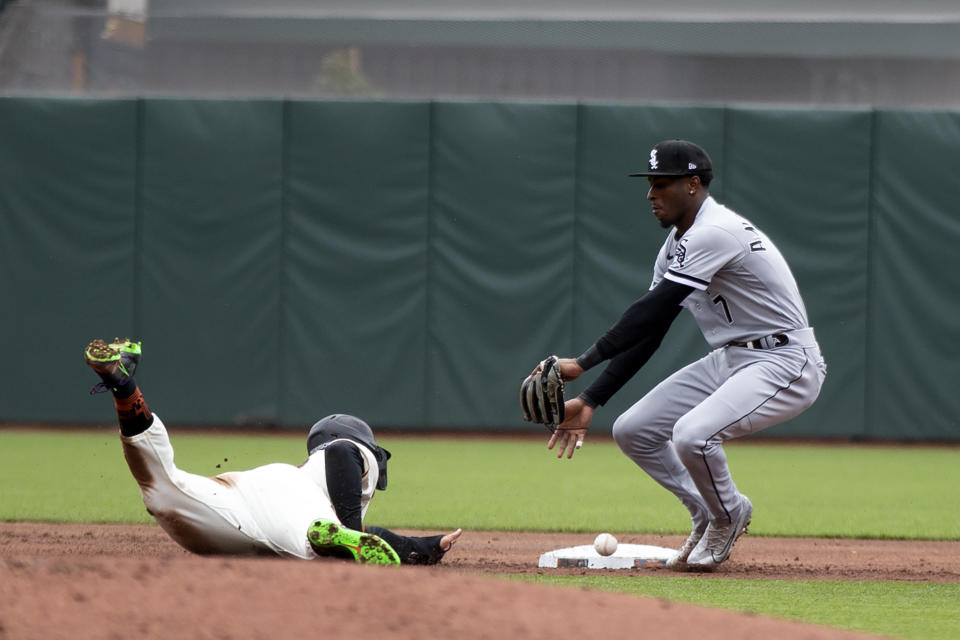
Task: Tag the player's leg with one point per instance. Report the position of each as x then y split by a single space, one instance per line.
116 364
203 515
644 434
763 388
190 508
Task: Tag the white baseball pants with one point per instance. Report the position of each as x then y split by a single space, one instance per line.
266 510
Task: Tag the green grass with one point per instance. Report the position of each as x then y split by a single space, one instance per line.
797 490
82 476
920 611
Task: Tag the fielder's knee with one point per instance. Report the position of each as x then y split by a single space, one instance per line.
622 432
686 443
635 437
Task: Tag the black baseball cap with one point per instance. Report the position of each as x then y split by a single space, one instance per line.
677 158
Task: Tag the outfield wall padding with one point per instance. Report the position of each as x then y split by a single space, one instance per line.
411 261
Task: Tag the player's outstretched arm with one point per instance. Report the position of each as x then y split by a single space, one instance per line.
650 315
343 466
417 549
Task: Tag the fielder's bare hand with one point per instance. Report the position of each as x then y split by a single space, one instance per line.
571 432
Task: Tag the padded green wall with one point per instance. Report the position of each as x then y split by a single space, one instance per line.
913 358
68 188
502 212
209 253
355 288
411 261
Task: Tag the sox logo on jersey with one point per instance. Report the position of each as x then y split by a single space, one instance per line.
681 252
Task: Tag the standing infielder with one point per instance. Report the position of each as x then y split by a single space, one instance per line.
305 511
765 366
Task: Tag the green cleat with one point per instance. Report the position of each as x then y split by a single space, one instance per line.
365 548
115 363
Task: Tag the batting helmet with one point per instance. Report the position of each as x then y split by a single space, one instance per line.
340 425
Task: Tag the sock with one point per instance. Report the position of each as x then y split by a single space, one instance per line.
125 390
132 412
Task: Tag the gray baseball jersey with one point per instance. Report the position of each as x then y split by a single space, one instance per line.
743 287
743 291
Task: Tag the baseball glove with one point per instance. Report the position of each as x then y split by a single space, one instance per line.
541 395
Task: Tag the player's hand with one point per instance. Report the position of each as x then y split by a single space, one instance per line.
569 369
449 540
572 431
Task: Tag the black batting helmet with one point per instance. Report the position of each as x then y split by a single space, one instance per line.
341 425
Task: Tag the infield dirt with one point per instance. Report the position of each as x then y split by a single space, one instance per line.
120 581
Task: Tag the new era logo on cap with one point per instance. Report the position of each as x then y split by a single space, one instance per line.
677 158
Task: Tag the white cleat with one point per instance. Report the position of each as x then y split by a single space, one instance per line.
715 545
680 558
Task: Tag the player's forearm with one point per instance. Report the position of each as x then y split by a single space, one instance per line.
411 549
623 367
343 466
651 314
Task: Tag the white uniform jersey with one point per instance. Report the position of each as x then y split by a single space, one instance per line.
743 287
263 510
282 500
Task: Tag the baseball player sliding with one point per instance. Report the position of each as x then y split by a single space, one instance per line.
765 366
305 511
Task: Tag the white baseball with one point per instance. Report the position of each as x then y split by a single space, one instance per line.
605 544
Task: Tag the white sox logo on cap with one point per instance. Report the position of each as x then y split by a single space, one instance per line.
674 158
